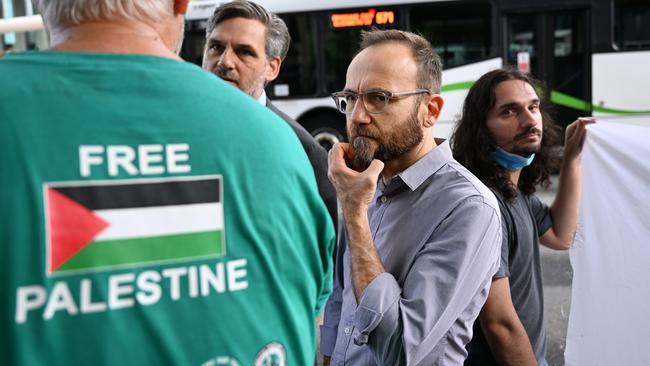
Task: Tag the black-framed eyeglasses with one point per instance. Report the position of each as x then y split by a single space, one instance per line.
375 101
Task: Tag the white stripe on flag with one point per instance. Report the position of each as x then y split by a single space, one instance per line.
161 220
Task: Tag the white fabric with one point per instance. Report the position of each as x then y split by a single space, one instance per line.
609 322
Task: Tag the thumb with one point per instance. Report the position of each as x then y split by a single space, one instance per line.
375 167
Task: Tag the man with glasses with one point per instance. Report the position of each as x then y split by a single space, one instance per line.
422 235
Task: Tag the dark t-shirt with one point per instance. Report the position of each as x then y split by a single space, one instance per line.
524 220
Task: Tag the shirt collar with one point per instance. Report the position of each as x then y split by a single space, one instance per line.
262 98
422 169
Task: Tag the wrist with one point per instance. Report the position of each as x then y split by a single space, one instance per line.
571 163
355 213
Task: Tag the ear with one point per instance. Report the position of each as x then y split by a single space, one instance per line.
272 69
434 107
180 6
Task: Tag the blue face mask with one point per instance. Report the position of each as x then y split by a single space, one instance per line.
512 161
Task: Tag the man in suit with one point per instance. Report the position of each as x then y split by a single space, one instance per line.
245 47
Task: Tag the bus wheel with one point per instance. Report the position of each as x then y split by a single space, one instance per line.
327 129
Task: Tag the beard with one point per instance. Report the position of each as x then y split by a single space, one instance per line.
368 144
527 149
254 88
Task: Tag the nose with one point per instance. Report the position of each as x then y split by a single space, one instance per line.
528 118
359 114
226 59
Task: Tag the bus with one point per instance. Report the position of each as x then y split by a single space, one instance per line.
591 54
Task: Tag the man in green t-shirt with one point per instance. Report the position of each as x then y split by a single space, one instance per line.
143 218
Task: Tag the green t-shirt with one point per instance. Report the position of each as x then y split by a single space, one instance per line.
152 214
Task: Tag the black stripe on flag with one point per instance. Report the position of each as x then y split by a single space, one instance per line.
144 194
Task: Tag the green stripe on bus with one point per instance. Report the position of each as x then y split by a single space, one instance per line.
463 85
558 98
581 105
568 101
110 253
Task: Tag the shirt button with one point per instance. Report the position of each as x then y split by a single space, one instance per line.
383 199
346 330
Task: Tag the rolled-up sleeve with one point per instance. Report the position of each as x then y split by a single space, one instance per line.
445 288
381 295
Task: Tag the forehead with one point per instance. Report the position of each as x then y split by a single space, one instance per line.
514 91
240 31
389 66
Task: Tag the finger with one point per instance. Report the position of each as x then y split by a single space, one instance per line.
572 126
570 131
578 132
582 141
334 159
580 125
337 152
588 120
573 130
375 168
348 151
337 163
581 133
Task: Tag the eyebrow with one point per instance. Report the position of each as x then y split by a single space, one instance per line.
367 91
238 46
212 40
512 105
247 47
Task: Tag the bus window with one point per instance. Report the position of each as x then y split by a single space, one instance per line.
297 76
194 41
631 31
342 36
459 33
339 47
523 38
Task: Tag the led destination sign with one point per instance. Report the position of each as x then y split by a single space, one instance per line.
363 19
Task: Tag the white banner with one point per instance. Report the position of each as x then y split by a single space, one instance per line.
609 322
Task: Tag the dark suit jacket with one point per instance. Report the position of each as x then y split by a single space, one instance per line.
318 159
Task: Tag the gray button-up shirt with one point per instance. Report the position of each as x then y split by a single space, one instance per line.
438 233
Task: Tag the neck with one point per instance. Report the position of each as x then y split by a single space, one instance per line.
514 176
260 96
394 167
120 36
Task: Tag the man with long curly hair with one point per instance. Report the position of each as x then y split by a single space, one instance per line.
507 139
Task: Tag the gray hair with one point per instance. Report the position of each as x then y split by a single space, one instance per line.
428 61
277 34
72 12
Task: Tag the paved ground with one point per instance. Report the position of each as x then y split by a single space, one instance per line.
557 301
557 276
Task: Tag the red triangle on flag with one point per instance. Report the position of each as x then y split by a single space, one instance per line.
72 227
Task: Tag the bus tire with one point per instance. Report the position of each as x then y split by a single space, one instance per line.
328 129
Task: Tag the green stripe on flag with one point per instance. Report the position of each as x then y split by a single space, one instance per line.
111 253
